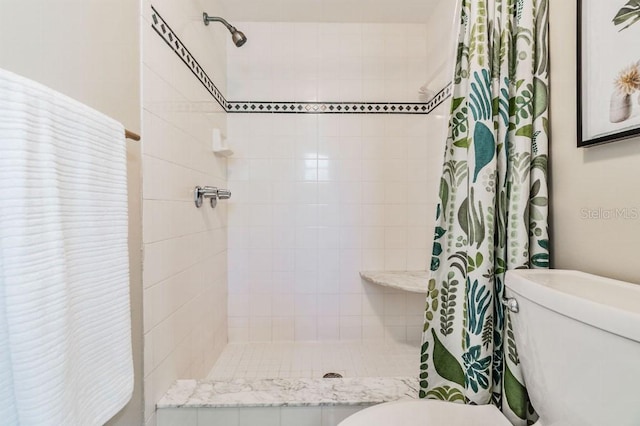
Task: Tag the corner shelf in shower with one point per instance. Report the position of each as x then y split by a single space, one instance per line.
412 281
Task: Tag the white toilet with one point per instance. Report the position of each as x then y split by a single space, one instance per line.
578 338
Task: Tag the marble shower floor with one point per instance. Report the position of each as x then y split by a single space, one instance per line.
289 374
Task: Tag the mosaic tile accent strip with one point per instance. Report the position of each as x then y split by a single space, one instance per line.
161 28
340 107
166 33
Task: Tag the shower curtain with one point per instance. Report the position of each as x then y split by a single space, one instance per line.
492 212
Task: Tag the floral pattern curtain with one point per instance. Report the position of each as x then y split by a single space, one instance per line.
492 212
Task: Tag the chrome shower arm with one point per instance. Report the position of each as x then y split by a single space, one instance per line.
206 18
238 37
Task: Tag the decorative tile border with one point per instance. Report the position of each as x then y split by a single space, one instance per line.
341 107
166 33
161 28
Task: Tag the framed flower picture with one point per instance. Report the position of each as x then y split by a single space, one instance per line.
608 70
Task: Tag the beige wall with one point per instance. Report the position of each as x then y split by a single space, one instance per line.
603 177
88 50
185 248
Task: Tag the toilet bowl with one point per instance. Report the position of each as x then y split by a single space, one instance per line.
427 413
578 338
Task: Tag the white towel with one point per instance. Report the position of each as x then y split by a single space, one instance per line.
65 336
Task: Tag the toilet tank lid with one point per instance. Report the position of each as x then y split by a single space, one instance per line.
605 303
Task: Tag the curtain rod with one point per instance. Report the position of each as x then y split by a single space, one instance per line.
130 135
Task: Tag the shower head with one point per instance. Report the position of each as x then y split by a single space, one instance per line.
238 37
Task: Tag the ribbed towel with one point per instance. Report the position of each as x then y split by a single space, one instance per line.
65 336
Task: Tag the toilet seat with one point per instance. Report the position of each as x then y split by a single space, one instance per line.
427 413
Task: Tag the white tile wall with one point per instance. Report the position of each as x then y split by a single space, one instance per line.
329 62
256 416
317 198
185 262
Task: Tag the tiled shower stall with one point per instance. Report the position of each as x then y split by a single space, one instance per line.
318 195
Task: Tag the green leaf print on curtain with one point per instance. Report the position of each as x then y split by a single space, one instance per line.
492 212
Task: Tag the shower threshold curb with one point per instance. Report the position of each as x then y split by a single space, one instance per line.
290 392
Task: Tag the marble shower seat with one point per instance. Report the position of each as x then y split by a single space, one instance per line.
411 281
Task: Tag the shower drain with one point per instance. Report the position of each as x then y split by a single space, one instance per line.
332 376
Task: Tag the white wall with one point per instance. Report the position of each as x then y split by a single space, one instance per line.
604 177
75 48
185 286
318 198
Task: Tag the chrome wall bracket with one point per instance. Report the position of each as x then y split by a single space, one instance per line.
210 192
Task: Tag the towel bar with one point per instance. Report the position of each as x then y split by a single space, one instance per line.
130 135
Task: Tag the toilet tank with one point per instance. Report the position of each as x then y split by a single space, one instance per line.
578 340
